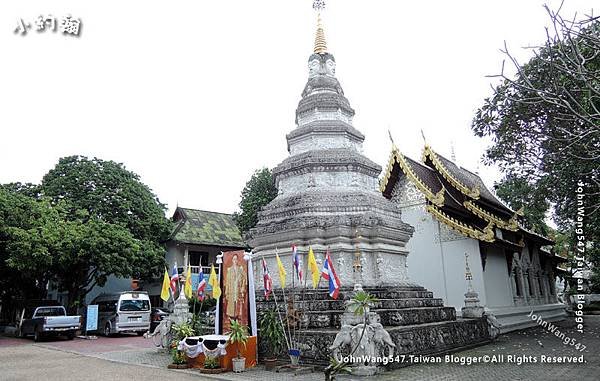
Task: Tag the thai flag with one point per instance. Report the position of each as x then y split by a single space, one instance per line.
297 262
268 281
174 278
329 274
201 285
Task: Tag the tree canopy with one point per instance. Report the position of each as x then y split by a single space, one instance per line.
258 192
545 127
87 220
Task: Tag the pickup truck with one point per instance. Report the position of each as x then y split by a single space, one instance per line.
48 321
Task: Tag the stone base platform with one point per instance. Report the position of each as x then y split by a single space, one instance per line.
420 339
417 322
514 318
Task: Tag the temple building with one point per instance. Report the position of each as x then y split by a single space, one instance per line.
454 214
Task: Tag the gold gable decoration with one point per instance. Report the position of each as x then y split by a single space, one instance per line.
397 157
511 224
428 153
486 235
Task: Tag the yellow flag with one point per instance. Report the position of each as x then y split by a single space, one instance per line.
282 272
214 283
187 289
164 293
313 267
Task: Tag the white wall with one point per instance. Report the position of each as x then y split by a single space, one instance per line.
424 260
497 286
454 262
440 266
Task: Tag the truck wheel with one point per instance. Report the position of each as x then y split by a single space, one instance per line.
70 335
107 330
140 333
37 335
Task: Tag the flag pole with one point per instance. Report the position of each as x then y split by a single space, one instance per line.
218 324
285 305
294 273
287 343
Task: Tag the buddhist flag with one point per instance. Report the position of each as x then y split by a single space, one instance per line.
164 293
187 289
214 283
281 269
313 267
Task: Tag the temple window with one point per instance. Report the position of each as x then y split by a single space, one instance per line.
540 284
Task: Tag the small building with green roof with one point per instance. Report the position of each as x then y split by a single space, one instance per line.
197 238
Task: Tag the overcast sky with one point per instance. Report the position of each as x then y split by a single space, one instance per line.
195 95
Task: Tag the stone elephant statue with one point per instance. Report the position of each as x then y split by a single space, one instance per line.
161 336
366 345
343 338
383 338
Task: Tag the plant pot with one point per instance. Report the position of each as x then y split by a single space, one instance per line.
178 366
294 356
211 370
238 364
270 363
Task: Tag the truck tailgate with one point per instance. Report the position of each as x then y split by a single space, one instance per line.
62 321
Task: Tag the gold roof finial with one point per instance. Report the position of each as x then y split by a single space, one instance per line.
320 42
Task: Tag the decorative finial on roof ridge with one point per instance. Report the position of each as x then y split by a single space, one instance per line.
392 140
424 140
320 42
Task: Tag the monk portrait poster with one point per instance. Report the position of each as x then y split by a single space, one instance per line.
235 289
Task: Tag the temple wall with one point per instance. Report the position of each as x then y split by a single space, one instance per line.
497 283
424 259
453 252
436 257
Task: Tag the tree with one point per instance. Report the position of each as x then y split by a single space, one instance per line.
258 192
545 122
23 220
108 192
88 220
116 224
519 193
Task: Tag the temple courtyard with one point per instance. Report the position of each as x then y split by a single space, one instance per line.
134 358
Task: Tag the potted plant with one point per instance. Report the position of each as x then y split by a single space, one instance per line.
211 365
238 335
178 357
271 331
180 332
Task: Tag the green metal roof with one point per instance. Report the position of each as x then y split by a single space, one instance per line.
205 228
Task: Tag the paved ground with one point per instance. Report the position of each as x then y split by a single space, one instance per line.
132 358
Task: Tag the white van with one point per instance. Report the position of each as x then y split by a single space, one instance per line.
127 311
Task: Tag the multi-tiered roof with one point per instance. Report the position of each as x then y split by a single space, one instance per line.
459 199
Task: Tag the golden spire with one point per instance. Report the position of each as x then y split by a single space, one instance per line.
320 43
